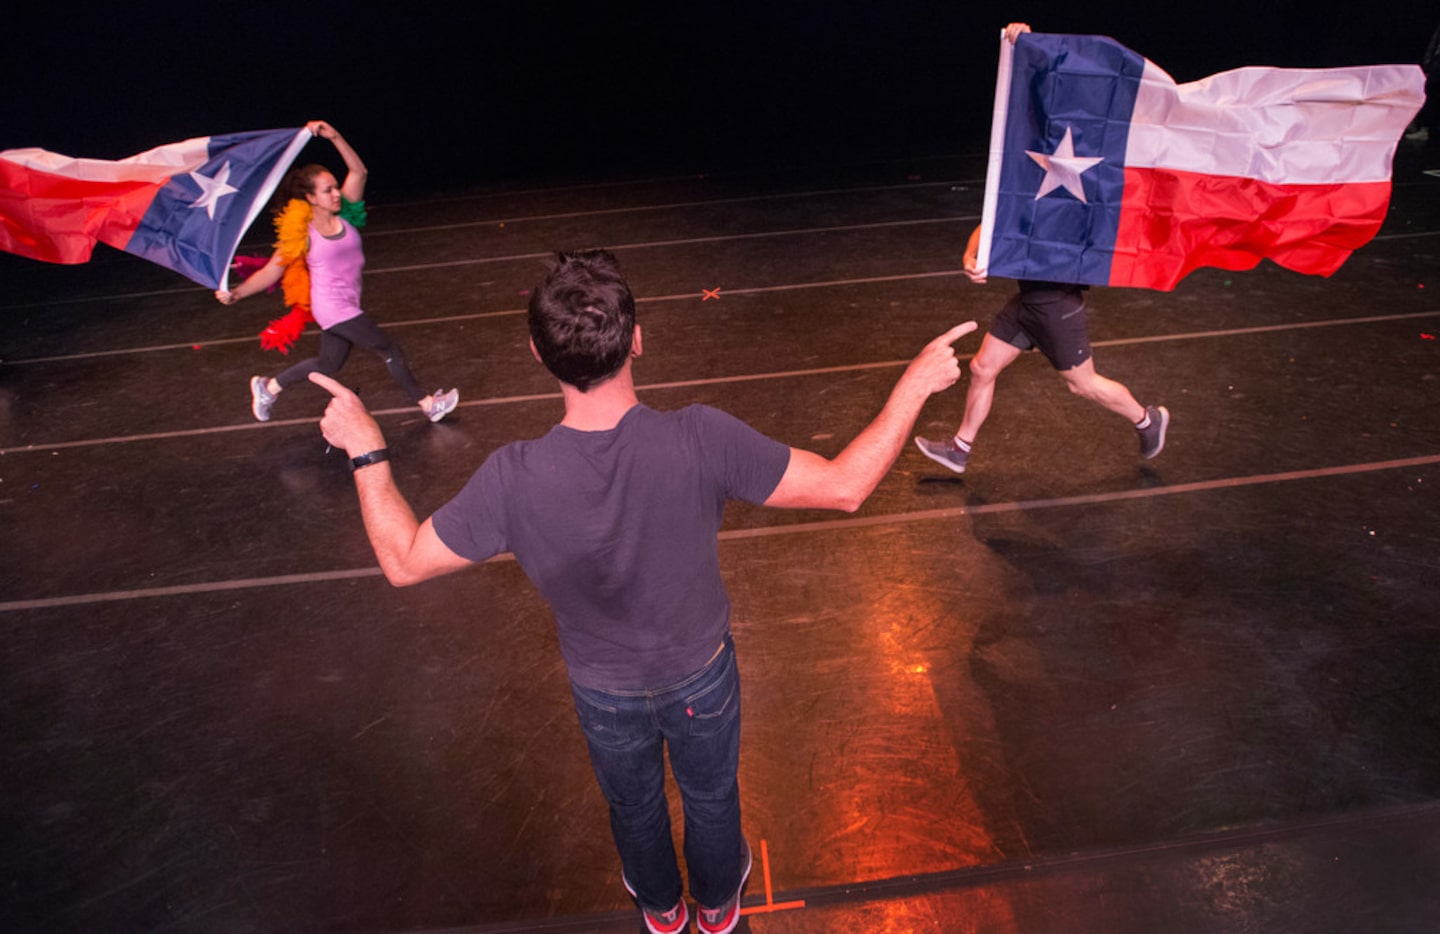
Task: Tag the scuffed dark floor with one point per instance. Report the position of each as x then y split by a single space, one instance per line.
1068 692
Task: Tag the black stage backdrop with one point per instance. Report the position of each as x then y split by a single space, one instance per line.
435 97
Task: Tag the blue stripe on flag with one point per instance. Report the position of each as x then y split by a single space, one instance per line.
1086 85
179 232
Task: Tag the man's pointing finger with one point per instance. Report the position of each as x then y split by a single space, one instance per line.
957 332
330 385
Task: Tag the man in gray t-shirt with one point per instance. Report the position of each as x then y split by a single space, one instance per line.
653 606
614 516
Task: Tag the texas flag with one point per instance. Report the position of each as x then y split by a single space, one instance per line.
184 205
1104 171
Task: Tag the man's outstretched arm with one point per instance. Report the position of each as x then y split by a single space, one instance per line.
409 551
812 482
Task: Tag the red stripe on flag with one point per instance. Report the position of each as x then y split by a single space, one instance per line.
58 219
1172 222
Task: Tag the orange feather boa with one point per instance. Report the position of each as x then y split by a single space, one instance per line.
292 242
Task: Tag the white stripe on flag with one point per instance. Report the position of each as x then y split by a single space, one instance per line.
997 154
152 166
1280 125
262 195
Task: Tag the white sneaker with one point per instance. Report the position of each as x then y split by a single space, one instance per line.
260 398
441 404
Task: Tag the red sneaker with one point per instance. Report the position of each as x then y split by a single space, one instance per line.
722 920
662 922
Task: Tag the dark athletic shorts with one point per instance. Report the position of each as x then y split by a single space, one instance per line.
1050 317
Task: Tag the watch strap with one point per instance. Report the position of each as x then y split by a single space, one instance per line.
373 457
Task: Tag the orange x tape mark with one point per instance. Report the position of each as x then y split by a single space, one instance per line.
707 294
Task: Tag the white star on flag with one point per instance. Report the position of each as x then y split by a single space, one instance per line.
213 189
1063 168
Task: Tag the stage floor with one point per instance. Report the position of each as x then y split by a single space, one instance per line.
1070 691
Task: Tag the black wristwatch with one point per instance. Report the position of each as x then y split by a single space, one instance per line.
365 460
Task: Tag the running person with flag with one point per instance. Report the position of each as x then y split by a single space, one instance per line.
1049 316
320 259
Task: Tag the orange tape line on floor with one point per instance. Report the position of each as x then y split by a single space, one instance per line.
770 904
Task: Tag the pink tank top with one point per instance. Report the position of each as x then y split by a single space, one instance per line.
335 267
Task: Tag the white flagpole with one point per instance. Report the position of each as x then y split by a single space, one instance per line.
997 153
272 181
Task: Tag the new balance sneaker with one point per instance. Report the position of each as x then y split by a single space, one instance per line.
662 922
261 398
441 403
946 453
1152 436
722 920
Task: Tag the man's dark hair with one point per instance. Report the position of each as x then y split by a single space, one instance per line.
582 318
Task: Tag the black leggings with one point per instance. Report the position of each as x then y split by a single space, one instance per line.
335 344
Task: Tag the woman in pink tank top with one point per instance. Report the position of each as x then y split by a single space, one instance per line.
335 260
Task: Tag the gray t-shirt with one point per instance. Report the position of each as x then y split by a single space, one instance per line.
618 530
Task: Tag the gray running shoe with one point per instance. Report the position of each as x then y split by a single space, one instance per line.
1152 437
945 453
441 403
260 398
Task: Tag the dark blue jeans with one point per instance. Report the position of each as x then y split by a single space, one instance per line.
698 718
